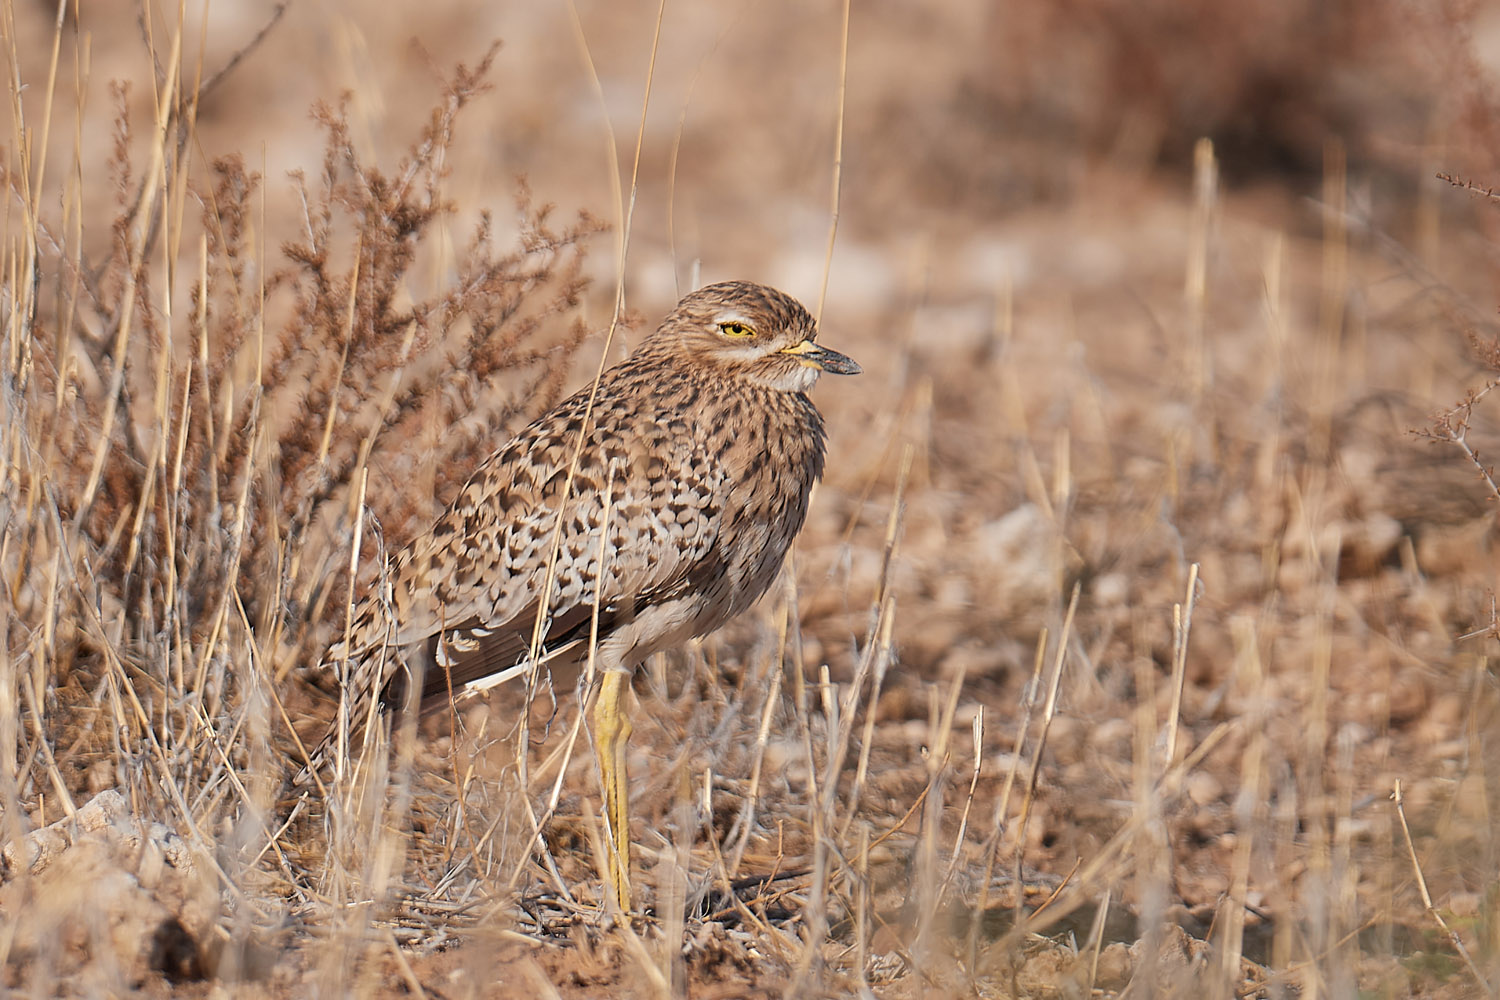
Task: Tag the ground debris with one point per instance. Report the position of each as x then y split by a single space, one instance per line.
103 899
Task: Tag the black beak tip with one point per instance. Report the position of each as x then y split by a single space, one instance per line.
840 364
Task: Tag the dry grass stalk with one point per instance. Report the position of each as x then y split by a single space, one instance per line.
1432 911
199 466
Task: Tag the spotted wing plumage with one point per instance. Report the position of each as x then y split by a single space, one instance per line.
650 510
468 591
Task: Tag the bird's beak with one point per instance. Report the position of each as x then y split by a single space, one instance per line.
813 356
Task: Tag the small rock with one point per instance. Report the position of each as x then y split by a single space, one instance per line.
1111 590
1114 967
1113 737
107 898
1202 788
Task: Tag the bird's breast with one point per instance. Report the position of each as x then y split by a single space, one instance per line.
772 453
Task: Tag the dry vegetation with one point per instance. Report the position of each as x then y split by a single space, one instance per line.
1139 639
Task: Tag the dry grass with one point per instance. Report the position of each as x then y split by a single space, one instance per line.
1136 644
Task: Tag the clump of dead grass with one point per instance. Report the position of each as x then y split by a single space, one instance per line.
193 426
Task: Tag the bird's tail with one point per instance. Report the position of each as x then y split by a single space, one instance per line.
386 683
383 679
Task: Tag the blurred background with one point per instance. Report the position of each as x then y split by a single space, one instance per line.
1146 291
963 121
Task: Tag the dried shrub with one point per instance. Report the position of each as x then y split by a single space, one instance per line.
186 437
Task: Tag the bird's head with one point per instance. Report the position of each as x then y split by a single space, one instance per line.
749 331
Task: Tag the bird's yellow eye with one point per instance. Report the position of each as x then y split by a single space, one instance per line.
734 328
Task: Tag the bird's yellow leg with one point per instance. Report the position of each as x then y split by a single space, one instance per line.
611 734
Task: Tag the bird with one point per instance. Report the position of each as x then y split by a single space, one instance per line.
641 512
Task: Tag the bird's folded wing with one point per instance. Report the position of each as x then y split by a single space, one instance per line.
470 588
